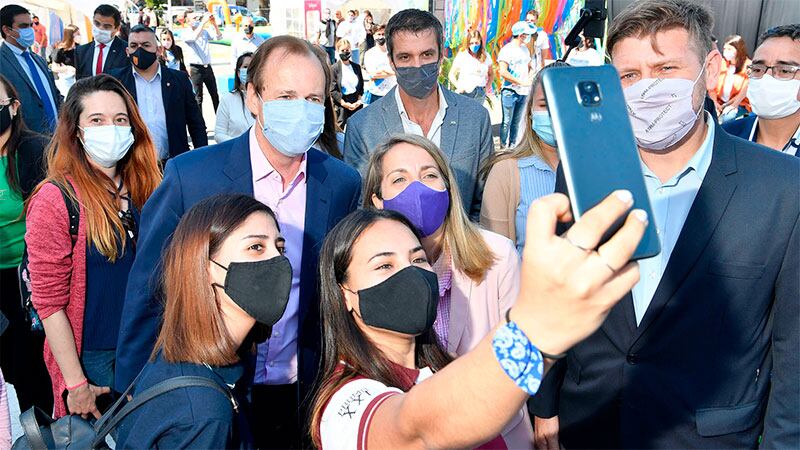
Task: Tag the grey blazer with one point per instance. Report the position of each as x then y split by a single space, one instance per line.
466 140
32 106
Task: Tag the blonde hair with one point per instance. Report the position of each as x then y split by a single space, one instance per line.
462 239
341 43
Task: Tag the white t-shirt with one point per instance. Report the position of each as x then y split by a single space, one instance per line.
349 79
518 59
542 43
588 57
472 72
375 60
347 416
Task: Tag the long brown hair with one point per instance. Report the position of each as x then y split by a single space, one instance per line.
342 339
66 158
481 55
463 239
738 43
18 131
193 329
531 143
69 37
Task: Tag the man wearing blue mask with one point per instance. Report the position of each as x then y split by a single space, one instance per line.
278 162
705 350
27 71
419 105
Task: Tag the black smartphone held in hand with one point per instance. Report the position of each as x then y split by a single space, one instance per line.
596 144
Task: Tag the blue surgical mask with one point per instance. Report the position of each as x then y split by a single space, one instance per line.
474 48
292 126
26 37
243 75
543 127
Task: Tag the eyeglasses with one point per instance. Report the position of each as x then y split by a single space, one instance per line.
783 72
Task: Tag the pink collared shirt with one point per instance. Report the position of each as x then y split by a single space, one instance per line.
277 358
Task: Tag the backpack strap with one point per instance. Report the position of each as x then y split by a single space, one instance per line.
157 390
73 209
30 421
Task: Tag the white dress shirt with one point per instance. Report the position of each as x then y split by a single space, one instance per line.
409 126
233 118
151 106
198 47
106 51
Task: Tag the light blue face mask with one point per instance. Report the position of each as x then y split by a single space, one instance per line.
474 48
543 127
26 37
243 75
292 126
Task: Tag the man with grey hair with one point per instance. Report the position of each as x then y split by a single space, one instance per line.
704 352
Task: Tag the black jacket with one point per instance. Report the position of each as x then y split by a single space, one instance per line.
31 164
180 108
714 362
84 56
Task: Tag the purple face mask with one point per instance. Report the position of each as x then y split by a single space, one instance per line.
424 207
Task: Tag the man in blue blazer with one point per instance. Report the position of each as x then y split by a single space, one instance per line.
164 96
106 51
774 92
27 71
459 125
705 350
309 191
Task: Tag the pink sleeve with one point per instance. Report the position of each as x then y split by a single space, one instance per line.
510 278
49 251
5 417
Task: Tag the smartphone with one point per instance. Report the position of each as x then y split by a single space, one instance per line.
596 143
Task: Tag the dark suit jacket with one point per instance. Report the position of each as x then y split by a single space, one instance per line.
32 106
715 360
180 108
31 161
332 192
117 58
465 118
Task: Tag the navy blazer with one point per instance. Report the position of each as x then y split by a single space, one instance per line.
466 140
117 58
715 360
32 105
180 108
333 191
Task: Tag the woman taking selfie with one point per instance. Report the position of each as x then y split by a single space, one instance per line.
224 271
517 177
378 299
102 161
478 271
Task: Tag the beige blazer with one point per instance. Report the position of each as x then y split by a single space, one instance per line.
501 199
476 308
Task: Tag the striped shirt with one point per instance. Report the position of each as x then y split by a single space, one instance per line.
536 179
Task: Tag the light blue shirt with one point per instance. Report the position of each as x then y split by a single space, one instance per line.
151 106
200 53
671 202
45 79
536 179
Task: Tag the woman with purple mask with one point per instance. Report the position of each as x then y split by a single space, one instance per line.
478 271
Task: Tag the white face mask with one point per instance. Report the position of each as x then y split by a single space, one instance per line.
107 144
101 36
661 110
772 98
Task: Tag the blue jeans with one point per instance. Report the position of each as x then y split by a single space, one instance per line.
478 94
513 107
331 51
354 54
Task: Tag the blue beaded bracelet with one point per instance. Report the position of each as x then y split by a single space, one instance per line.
520 359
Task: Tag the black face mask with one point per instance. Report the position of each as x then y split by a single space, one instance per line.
344 56
405 302
260 288
143 59
5 117
248 29
380 41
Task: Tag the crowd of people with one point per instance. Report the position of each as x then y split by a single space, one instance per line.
353 264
